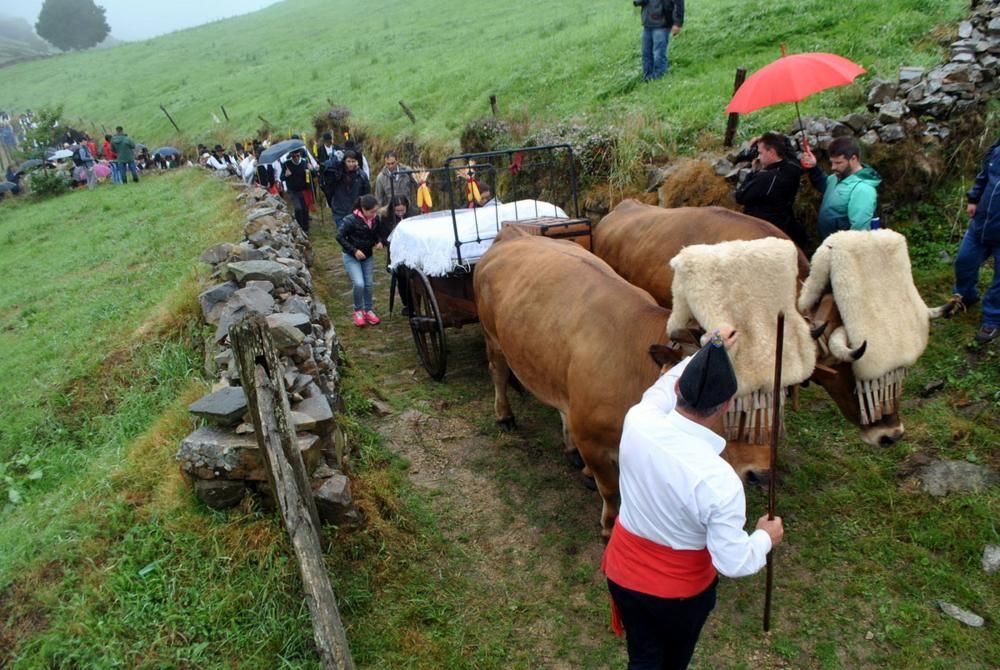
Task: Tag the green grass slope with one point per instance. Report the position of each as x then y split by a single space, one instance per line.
546 62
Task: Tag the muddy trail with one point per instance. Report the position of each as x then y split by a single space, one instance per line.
527 527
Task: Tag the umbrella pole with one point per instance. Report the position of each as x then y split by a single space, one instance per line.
803 141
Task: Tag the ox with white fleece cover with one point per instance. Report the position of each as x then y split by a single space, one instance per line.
427 242
744 284
869 272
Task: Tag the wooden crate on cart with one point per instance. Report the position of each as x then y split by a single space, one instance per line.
574 230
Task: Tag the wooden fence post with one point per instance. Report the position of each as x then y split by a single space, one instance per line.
261 374
223 108
493 105
170 118
734 118
408 112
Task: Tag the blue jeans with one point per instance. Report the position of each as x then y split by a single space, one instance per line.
125 167
654 52
116 172
971 255
363 284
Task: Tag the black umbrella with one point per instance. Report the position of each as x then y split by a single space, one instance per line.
276 151
7 186
28 164
167 151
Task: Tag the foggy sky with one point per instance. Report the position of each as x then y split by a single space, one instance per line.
141 19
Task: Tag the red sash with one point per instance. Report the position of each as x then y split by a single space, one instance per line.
642 565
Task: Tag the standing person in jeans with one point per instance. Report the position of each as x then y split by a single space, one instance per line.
359 234
981 241
660 20
344 183
293 174
124 147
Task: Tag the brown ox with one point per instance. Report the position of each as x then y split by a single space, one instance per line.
578 337
639 240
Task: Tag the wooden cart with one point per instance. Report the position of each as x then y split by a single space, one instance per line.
440 293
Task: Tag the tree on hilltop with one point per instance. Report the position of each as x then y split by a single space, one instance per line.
72 24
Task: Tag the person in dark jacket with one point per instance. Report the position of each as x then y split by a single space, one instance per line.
343 184
293 173
399 208
769 191
359 234
660 20
124 149
982 240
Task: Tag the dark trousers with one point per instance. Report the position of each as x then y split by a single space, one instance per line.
301 210
661 632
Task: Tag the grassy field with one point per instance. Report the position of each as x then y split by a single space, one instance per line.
547 62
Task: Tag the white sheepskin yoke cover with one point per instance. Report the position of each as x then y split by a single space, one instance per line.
744 284
869 273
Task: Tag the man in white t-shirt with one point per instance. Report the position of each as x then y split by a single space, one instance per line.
682 512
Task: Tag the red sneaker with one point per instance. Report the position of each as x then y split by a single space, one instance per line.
359 318
371 318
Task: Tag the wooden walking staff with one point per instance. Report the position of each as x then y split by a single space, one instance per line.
771 495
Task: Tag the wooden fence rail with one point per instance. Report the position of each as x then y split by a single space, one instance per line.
261 374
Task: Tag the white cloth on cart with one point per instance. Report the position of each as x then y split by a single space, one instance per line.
427 242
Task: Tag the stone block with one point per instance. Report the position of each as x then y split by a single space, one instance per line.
219 493
244 271
213 300
224 407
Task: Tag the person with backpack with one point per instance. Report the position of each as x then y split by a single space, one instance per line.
660 20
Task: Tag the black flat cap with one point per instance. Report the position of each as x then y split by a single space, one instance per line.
709 379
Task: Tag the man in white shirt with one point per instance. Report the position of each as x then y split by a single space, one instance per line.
682 512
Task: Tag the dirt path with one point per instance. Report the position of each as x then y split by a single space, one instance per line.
528 529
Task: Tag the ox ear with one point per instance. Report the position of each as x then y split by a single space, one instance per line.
663 354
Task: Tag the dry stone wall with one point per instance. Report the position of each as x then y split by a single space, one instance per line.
267 273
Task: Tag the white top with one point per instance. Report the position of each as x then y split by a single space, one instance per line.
676 489
427 242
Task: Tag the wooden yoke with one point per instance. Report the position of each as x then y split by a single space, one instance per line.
261 374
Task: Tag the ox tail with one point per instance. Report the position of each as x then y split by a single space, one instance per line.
954 305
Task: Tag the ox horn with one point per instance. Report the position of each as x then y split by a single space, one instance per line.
840 349
817 331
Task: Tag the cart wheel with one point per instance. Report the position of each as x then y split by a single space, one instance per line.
427 326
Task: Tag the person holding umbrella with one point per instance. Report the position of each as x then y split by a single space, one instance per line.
682 512
849 195
660 20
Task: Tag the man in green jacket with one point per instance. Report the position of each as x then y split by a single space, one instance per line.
124 147
849 195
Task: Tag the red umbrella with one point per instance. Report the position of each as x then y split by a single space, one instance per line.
792 78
